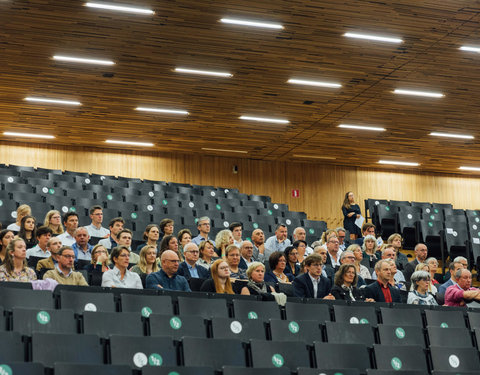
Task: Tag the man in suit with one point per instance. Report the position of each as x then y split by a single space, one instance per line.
367 229
333 256
188 268
246 252
421 253
453 268
312 284
381 290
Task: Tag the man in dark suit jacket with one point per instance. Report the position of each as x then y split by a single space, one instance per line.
421 253
303 285
189 268
381 290
327 269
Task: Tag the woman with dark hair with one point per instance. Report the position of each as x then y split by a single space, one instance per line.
6 236
278 262
292 267
14 267
370 254
345 285
170 242
120 276
27 231
220 281
256 284
166 227
184 236
207 254
351 212
150 236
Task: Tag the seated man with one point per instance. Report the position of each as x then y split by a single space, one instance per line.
246 255
236 228
367 229
388 252
333 248
462 292
327 269
341 234
63 272
40 250
278 242
188 268
95 229
381 290
70 221
125 239
115 226
258 239
453 268
299 234
167 277
53 245
312 284
203 226
421 253
396 241
81 247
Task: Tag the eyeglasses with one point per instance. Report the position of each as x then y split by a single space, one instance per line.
100 251
124 255
68 256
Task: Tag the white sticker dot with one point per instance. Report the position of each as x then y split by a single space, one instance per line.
90 307
275 206
454 361
226 191
410 216
226 224
102 178
455 234
354 320
10 179
427 210
150 207
191 205
236 327
212 193
140 359
64 209
45 190
151 194
288 221
87 181
474 226
13 214
377 203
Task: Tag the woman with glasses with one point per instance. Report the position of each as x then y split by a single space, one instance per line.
14 267
293 266
345 285
420 284
232 256
220 281
99 261
53 220
120 276
278 262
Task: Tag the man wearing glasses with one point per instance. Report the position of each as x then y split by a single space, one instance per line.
95 229
312 284
167 278
203 226
63 271
188 268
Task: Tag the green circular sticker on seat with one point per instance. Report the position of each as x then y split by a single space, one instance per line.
436 210
173 373
133 215
270 212
364 321
252 315
51 191
400 333
432 217
396 363
278 360
5 370
311 231
444 325
387 208
218 207
155 359
146 311
43 317
430 224
164 202
109 197
255 225
1 203
293 327
73 209
176 323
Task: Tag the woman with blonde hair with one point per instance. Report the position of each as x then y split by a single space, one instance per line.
360 268
148 262
22 211
351 212
224 238
207 254
220 281
326 235
99 260
369 247
53 220
14 267
432 289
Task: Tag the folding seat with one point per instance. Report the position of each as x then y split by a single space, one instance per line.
295 330
177 326
26 321
66 185
334 356
456 212
305 311
430 235
432 213
179 211
214 352
404 317
86 301
10 181
227 370
445 318
400 357
387 219
450 337
456 237
7 209
421 204
206 308
357 315
228 205
234 194
106 323
266 223
399 334
24 198
62 368
441 206
455 360
137 352
407 224
277 207
48 348
274 354
262 310
100 191
241 329
399 204
260 198
246 210
25 368
370 205
26 298
254 204
125 191
114 183
315 227
110 213
180 370
315 371
474 319
212 214
231 217
338 333
290 222
12 348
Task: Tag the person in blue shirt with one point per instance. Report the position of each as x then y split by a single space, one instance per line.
167 277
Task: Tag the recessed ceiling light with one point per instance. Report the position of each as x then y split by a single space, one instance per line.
120 8
52 101
398 163
204 72
128 143
82 60
448 135
475 169
314 83
470 49
265 119
419 93
236 21
28 135
224 150
359 127
162 110
377 38
313 157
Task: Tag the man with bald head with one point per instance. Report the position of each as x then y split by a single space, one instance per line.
299 234
81 247
189 268
246 253
258 239
462 292
167 278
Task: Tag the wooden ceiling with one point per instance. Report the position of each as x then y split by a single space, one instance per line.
187 33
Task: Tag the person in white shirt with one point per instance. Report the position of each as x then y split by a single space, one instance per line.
95 229
22 211
299 234
70 221
125 238
40 249
236 229
120 276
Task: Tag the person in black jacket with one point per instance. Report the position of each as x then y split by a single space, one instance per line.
346 285
303 285
189 267
381 290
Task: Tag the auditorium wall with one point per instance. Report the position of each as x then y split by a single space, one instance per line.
321 187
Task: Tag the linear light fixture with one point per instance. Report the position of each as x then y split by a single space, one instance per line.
428 94
120 8
475 169
314 83
398 163
224 150
82 60
313 157
204 72
162 110
236 21
470 49
28 135
52 101
265 119
359 127
377 38
129 143
448 135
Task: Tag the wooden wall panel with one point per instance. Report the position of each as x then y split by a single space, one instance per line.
322 187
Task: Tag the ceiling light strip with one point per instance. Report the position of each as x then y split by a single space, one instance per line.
314 157
314 83
129 143
377 38
475 169
28 135
448 135
162 110
236 21
204 72
265 119
120 8
470 49
408 164
359 127
82 60
224 150
428 94
52 101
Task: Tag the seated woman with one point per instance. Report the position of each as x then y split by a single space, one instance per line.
150 236
301 247
22 211
432 289
432 268
220 281
184 236
148 261
256 285
223 239
278 262
27 231
207 254
345 285
420 295
396 241
397 279
120 276
369 247
100 261
232 256
53 220
6 236
169 242
293 266
360 268
14 268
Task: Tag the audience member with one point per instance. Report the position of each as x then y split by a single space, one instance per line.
325 236
299 234
40 250
28 231
370 254
125 239
424 267
100 261
348 257
278 262
246 252
120 276
432 269
277 242
22 211
461 260
207 254
6 236
184 236
63 272
327 269
345 286
382 291
166 228
95 229
361 270
203 226
236 228
256 285
419 294
301 247
190 268
169 242
258 240
166 278
351 212
232 256
53 246
388 253
312 284
53 220
150 236
400 285
341 234
220 281
420 257
396 241
292 267
115 226
333 256
81 248
14 267
147 262
223 239
70 221
368 229
462 292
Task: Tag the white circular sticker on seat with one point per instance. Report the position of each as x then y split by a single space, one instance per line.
474 226
13 214
64 209
288 222
87 181
225 224
140 359
454 361
455 234
354 320
275 206
236 327
10 179
150 207
90 307
45 190
409 216
191 205
377 203
427 210
212 193
151 194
